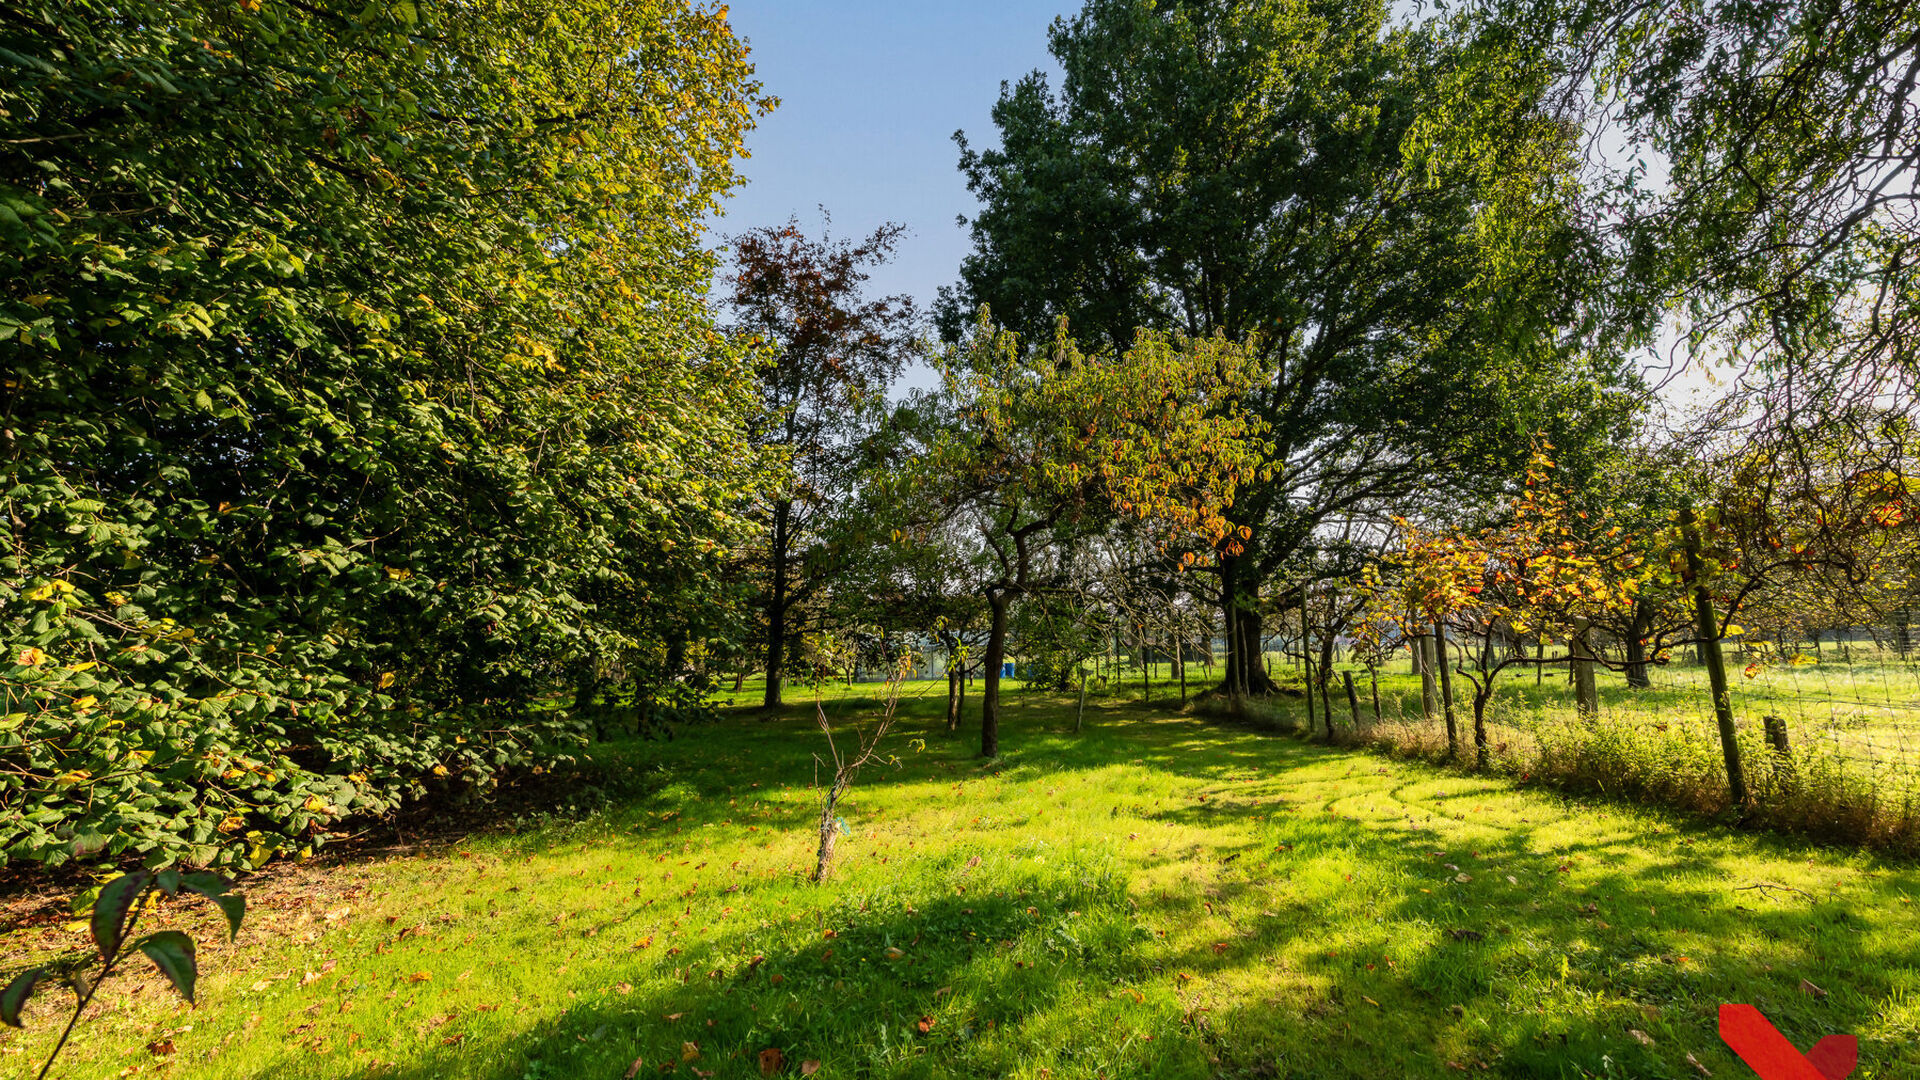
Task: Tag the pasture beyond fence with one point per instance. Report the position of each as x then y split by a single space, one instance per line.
1828 732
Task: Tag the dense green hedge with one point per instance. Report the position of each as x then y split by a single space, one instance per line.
360 400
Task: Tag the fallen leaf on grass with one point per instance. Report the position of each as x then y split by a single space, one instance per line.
1640 1037
924 1024
771 1061
633 1070
1808 988
623 988
1695 1062
1369 1001
161 1048
808 1068
689 1051
420 977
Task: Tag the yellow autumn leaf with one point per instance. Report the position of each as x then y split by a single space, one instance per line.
386 679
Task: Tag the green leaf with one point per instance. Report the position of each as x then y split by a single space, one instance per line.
16 994
214 887
110 911
172 952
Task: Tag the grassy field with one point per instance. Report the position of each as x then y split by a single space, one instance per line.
1154 897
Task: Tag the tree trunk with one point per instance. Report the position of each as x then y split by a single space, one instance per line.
777 609
1080 714
1244 671
990 692
1146 668
1180 651
1444 661
829 830
1326 680
1429 689
1637 676
1586 698
1707 625
955 682
1480 726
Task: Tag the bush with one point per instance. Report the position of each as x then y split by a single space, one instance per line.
352 363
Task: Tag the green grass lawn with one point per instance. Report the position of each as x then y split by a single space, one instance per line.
1154 897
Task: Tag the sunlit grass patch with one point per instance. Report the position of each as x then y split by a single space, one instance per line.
1154 897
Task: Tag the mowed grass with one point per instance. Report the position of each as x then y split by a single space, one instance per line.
1155 897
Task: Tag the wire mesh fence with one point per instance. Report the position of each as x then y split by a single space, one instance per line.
1830 727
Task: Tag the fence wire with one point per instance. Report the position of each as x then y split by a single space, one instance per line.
1844 712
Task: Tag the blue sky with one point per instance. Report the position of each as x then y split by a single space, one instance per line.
871 94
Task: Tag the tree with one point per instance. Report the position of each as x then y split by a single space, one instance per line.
360 391
1538 569
832 353
1384 215
1782 228
1032 447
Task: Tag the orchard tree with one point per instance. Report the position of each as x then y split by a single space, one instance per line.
832 352
1031 447
1539 569
1384 215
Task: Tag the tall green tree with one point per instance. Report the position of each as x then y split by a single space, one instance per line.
1763 167
832 353
359 391
1385 214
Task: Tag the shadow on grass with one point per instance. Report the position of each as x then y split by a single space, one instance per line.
1327 915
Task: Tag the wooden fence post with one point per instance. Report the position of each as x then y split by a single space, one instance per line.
1776 729
1708 627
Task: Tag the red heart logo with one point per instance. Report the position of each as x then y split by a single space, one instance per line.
1768 1052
